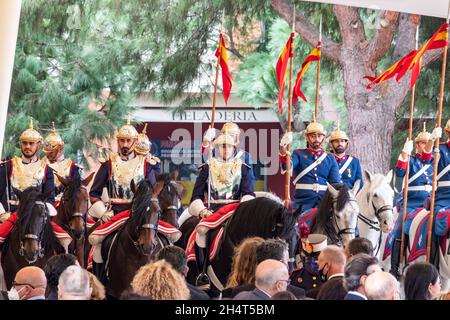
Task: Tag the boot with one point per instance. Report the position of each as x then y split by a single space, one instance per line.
395 259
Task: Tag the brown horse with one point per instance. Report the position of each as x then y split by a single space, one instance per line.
135 243
71 214
169 199
32 240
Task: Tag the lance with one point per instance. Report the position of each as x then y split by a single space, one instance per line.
316 107
436 144
287 195
406 180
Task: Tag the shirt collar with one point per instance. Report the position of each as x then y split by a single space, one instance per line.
315 152
356 293
28 160
127 157
40 297
339 159
448 143
336 275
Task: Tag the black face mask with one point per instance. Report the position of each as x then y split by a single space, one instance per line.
322 275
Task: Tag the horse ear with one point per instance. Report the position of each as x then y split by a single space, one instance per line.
332 190
355 188
61 179
158 187
367 175
87 180
389 176
133 186
18 193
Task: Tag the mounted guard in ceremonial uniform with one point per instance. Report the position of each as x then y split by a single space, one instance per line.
349 166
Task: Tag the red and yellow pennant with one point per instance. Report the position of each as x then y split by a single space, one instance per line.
221 53
313 56
438 40
281 67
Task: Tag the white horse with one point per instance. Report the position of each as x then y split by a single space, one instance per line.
377 217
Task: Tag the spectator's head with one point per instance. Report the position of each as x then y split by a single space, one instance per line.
160 281
276 249
98 290
129 294
244 262
29 282
331 261
357 270
271 276
422 282
332 290
73 284
358 245
55 266
382 285
176 257
284 295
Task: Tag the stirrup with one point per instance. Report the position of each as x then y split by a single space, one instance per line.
203 282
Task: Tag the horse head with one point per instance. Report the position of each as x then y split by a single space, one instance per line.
345 210
142 227
169 199
34 222
74 205
376 199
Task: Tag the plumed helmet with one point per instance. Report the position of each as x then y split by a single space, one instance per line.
315 127
447 126
30 135
53 141
224 139
230 128
143 144
127 131
424 136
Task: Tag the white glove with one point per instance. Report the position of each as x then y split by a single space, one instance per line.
210 134
408 147
436 134
286 139
107 216
205 213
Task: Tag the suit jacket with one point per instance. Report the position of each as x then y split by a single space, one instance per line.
232 292
352 296
256 294
196 293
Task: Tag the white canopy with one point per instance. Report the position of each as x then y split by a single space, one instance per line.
434 8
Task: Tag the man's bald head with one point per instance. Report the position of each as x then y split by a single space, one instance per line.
382 285
334 254
31 282
271 276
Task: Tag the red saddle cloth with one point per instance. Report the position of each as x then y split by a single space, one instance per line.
214 221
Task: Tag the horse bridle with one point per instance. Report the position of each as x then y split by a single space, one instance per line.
35 237
75 215
149 226
345 230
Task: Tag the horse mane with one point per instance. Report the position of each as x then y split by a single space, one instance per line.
270 195
67 205
325 209
369 188
24 212
141 201
261 215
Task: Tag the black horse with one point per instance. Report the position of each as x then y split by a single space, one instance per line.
135 243
169 199
32 240
260 217
71 214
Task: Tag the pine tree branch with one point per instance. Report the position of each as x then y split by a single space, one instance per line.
307 30
232 47
381 42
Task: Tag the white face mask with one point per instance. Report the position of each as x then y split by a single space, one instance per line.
13 294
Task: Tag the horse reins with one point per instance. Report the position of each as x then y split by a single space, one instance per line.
35 237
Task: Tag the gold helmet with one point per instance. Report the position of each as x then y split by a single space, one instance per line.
338 134
424 136
230 128
315 127
30 135
127 131
53 141
225 139
143 144
447 126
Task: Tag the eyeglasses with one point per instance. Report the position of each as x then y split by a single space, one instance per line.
288 281
26 284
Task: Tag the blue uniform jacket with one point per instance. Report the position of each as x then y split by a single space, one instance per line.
103 178
352 172
326 171
416 199
200 190
48 184
442 200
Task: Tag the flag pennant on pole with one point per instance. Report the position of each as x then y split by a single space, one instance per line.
438 40
313 56
281 67
413 60
226 77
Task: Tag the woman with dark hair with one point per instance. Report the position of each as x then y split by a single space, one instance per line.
53 269
422 282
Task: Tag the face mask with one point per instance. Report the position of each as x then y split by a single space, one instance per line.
323 275
13 294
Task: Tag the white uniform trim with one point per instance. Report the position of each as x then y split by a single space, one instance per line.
419 173
346 164
444 171
310 167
